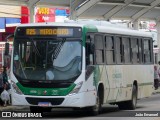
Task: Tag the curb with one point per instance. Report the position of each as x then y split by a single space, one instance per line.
156 91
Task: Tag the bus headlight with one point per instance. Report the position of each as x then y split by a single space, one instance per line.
15 88
76 89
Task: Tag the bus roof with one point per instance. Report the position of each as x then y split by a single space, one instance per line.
50 24
123 31
104 27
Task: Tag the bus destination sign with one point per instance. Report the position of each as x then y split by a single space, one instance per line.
49 31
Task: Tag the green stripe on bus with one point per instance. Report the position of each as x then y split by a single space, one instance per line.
111 101
129 85
46 91
142 84
96 76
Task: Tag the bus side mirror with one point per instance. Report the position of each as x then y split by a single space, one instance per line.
6 52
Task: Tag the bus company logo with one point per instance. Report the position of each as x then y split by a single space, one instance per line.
54 92
39 92
44 92
6 114
33 91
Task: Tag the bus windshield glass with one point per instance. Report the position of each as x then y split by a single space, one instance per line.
47 59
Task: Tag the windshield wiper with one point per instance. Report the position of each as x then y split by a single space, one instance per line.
22 69
37 51
58 49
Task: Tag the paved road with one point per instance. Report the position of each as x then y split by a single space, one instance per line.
146 105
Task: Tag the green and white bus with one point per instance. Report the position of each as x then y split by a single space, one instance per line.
80 66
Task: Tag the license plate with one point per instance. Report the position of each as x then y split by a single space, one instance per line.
44 104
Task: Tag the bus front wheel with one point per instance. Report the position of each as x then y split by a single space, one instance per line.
98 107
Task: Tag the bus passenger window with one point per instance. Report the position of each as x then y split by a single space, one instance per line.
89 50
109 47
135 51
119 50
140 50
99 49
126 44
147 54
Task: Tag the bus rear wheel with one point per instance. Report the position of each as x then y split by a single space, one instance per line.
131 104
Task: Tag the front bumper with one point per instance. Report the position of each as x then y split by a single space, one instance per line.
80 100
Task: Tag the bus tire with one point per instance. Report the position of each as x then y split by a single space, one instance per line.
98 107
131 105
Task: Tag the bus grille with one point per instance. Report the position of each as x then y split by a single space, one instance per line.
53 101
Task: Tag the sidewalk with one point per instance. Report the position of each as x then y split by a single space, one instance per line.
156 91
12 108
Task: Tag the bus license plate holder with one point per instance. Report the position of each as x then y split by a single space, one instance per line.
44 104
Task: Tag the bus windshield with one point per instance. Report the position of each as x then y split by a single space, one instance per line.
47 59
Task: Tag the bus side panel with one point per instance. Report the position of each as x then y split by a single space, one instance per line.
118 81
